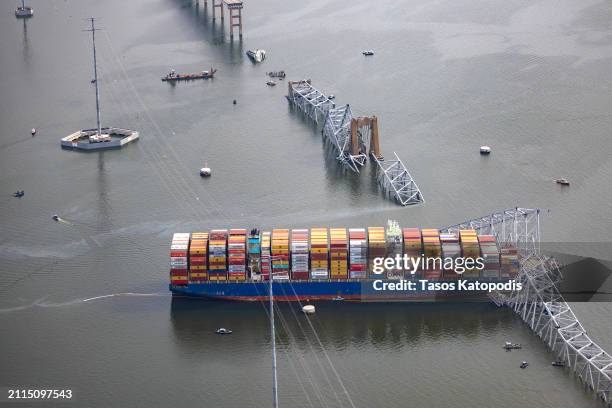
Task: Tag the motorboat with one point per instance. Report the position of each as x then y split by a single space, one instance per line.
257 55
331 97
223 330
512 346
55 217
524 364
485 150
338 299
562 181
368 53
19 193
277 74
33 131
205 171
558 363
271 83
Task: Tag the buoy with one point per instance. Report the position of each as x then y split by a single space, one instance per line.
308 309
485 150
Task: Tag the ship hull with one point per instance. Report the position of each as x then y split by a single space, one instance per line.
294 291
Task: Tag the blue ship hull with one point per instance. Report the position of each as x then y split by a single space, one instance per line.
291 291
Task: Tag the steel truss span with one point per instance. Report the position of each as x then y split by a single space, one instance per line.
540 304
397 181
350 137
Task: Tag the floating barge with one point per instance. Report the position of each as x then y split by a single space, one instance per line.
173 76
329 263
90 140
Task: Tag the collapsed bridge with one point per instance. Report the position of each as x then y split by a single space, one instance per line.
353 139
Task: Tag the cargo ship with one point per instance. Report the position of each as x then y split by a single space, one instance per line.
330 263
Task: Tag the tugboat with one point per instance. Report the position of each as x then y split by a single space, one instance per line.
558 363
368 53
257 55
271 83
484 150
562 181
24 11
223 330
55 217
524 364
173 76
33 131
19 193
308 309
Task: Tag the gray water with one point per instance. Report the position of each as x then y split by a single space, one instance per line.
530 79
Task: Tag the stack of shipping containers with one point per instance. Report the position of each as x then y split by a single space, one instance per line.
280 254
450 249
254 254
299 254
338 253
413 247
236 251
217 255
319 263
470 249
266 259
358 253
198 256
509 262
178 258
432 249
376 248
490 255
394 248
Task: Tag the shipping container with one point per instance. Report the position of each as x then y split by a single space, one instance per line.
319 253
432 253
470 249
198 257
299 254
394 246
358 253
451 250
376 249
266 254
280 254
338 253
254 254
413 247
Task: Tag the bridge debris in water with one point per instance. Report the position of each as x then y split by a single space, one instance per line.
540 304
353 139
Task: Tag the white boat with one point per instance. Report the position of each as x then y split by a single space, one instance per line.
24 11
308 309
271 83
33 131
223 330
257 55
562 181
368 53
485 150
205 172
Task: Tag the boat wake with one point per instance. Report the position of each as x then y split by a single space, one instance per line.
41 302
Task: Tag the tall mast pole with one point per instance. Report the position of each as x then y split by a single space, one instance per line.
93 37
23 4
273 335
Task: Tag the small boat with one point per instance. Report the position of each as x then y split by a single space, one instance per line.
271 83
55 217
485 150
277 74
19 193
524 364
338 299
33 131
332 96
308 309
558 363
257 55
24 11
562 181
223 330
205 171
173 76
368 53
512 346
